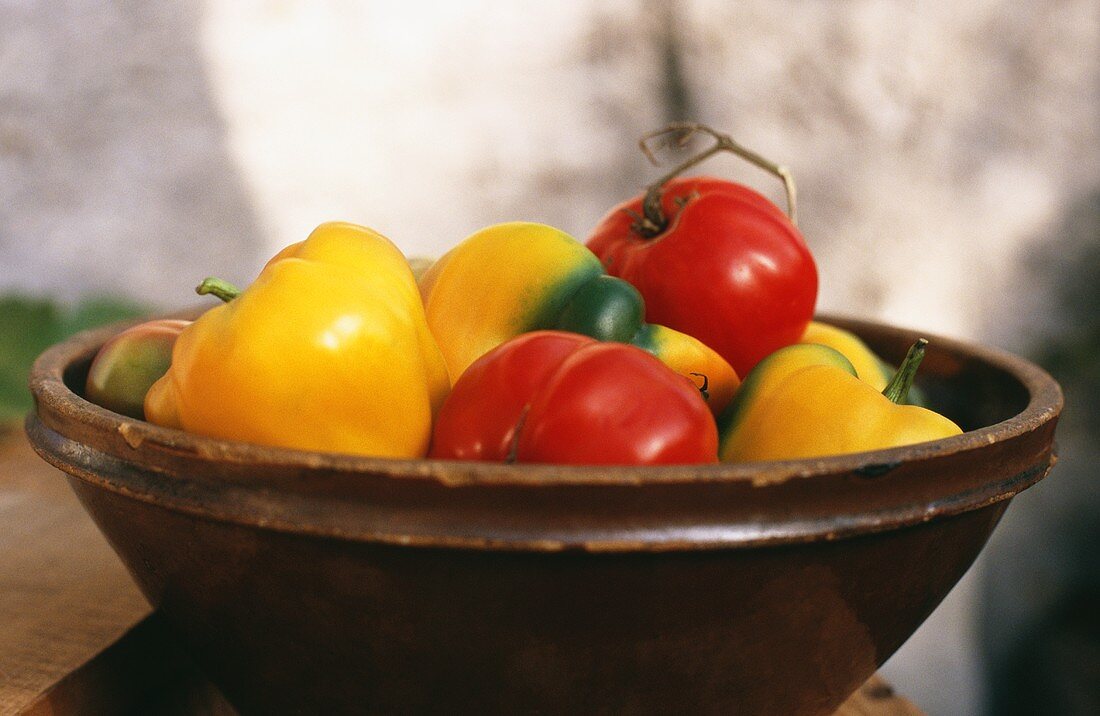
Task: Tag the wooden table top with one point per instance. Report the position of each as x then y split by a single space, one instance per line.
76 635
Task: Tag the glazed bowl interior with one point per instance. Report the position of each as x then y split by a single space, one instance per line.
307 581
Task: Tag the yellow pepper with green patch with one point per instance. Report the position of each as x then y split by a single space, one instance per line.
328 349
869 367
805 401
518 277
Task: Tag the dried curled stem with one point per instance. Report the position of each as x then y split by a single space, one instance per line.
678 134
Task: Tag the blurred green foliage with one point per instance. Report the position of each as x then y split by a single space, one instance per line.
28 326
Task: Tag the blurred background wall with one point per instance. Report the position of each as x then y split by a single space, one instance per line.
946 155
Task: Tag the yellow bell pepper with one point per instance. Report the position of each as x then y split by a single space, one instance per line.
869 367
327 350
517 277
805 401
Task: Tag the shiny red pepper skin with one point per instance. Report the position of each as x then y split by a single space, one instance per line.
729 268
555 397
478 419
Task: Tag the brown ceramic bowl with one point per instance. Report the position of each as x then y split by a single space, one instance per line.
317 583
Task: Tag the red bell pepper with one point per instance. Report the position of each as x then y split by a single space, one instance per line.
714 259
556 397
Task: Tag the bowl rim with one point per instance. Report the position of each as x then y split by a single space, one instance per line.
72 417
1045 402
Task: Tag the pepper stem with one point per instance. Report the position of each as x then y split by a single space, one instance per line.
653 221
513 446
217 287
897 390
706 384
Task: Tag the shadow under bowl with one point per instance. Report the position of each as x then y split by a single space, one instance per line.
320 583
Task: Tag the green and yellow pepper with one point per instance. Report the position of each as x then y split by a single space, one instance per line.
518 277
869 367
327 350
129 363
805 401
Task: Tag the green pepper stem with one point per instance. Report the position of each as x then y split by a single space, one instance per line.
653 220
897 390
217 287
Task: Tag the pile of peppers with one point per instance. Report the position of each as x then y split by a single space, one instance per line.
680 332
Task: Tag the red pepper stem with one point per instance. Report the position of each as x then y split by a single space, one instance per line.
653 220
897 390
217 287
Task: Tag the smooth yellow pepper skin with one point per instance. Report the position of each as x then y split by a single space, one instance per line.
517 277
501 281
869 367
327 350
693 359
805 401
